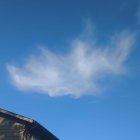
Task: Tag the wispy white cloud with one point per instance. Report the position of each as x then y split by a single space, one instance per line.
75 73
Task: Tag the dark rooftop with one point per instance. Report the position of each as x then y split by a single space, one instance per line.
30 124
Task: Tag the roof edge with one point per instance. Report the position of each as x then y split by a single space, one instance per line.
29 123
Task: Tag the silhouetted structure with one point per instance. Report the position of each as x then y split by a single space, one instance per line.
17 127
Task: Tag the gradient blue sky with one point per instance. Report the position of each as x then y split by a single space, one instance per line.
113 112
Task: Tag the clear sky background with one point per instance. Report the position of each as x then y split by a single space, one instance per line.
73 66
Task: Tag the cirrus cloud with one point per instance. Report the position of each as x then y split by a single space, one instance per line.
78 71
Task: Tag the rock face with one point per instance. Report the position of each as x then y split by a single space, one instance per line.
17 127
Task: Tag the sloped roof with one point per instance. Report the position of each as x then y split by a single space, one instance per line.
30 124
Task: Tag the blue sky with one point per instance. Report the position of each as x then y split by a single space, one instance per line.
73 66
